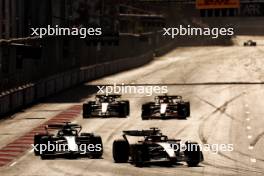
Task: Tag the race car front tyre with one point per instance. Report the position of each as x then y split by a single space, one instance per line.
120 151
97 142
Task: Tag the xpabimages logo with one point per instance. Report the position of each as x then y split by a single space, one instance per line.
214 148
61 147
60 31
131 89
196 31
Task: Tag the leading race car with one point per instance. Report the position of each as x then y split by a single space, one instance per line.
106 106
68 142
250 43
155 147
166 107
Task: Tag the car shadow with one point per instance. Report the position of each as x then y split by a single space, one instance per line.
166 164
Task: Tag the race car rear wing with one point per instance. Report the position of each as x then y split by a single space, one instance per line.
170 96
110 95
152 131
63 125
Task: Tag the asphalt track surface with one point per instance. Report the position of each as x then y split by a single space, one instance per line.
223 84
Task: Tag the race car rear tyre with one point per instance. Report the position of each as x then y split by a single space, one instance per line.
193 154
46 157
144 117
145 112
124 109
120 151
97 140
87 109
47 153
37 143
127 109
188 109
86 134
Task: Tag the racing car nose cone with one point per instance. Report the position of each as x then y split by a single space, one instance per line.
104 107
163 108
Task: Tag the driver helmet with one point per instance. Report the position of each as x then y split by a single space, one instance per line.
156 100
67 131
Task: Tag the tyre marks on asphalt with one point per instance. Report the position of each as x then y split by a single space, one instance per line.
204 139
221 109
18 147
256 139
243 167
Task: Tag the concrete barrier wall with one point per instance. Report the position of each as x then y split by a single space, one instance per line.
66 80
5 104
59 83
29 94
16 99
40 90
50 86
13 101
134 51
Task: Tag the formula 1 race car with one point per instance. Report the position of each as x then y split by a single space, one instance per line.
155 147
68 143
250 43
106 106
166 107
